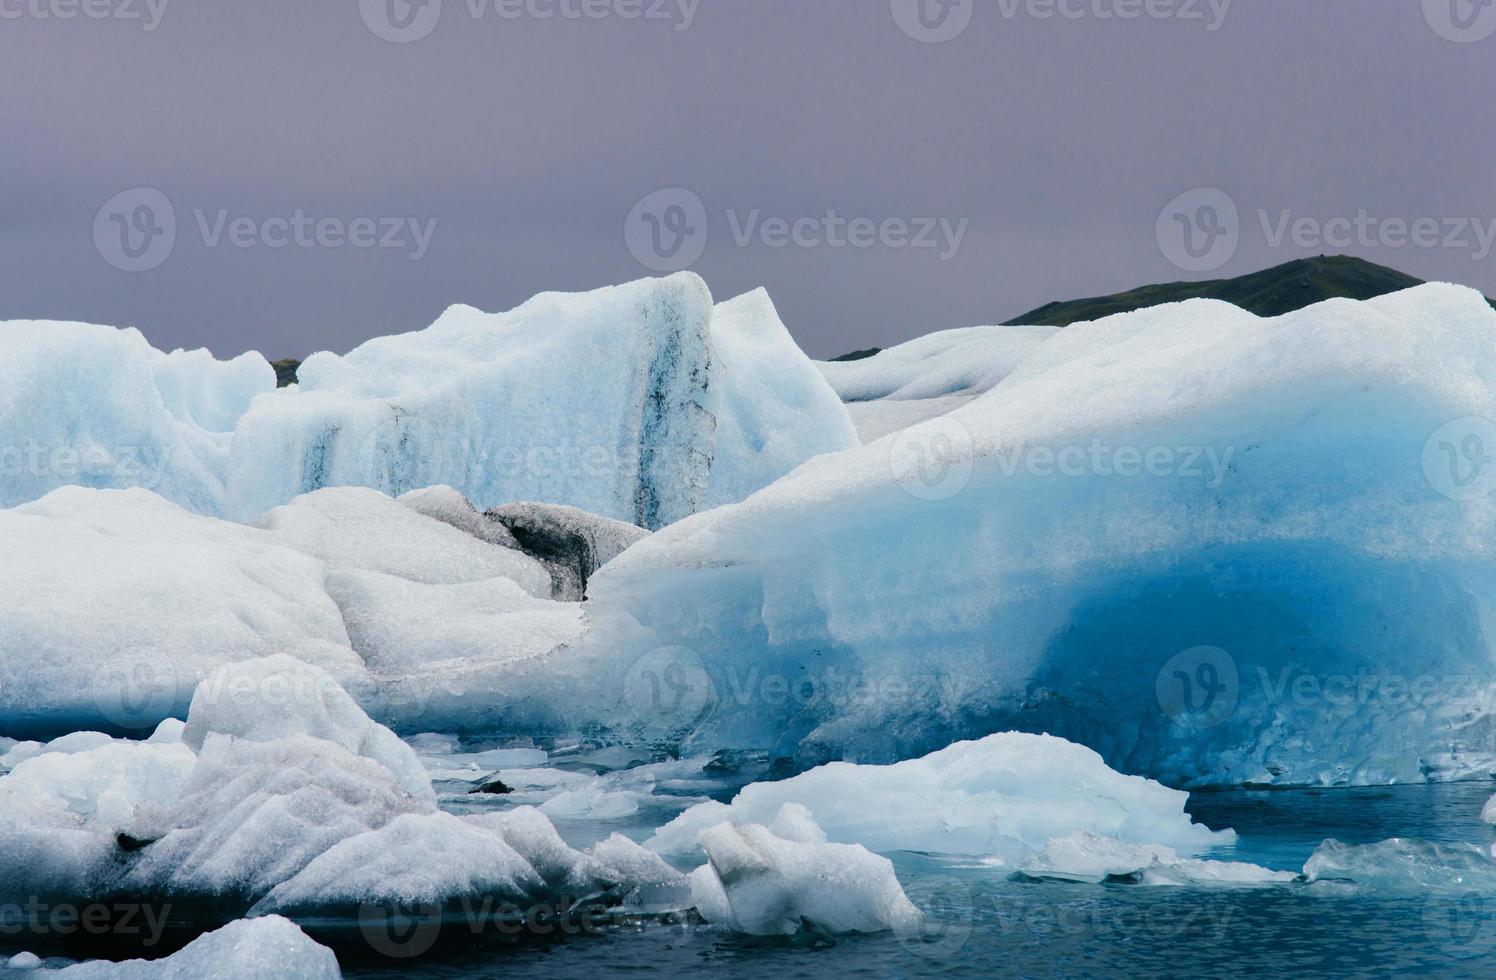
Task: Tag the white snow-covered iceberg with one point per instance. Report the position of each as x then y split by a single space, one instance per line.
94 406
1178 536
762 884
928 376
116 604
1006 796
601 400
269 948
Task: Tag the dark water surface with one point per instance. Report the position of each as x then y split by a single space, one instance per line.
986 925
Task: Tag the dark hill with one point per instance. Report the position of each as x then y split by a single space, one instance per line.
1271 292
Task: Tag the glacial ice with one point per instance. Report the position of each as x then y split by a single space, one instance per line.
279 697
572 544
268 948
929 376
1265 510
777 411
764 885
600 400
1404 865
1093 859
93 406
428 858
1006 795
117 602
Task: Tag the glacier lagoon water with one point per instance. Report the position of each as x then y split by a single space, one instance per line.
988 925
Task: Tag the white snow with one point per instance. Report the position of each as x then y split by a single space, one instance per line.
777 411
269 948
94 406
1005 795
1141 487
763 885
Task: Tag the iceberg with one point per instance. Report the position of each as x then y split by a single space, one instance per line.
761 884
1093 859
1007 795
269 948
116 603
1169 535
93 406
777 411
1404 865
602 401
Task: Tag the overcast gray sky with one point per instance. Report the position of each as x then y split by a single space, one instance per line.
1050 139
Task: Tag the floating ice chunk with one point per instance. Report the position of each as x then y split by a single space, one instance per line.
1005 795
117 603
595 802
646 880
1138 489
104 785
564 869
795 822
769 886
1087 857
1488 812
95 406
19 752
777 410
1401 864
277 697
254 814
23 961
269 948
431 858
354 529
47 850
600 400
